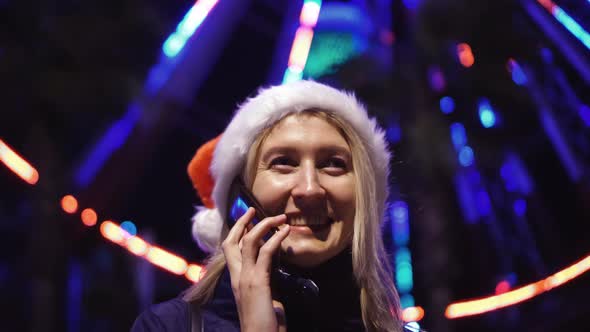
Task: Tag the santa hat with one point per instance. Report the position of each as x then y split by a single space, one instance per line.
219 161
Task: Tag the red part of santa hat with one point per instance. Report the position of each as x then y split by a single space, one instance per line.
198 172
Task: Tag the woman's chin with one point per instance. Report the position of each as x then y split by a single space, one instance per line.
308 253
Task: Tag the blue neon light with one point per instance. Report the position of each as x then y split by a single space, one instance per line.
518 75
519 207
404 277
515 175
400 227
292 76
394 133
342 12
466 197
403 259
547 55
402 254
509 181
447 105
411 4
487 117
585 114
184 30
401 233
567 156
458 135
173 45
486 114
129 227
407 300
484 205
400 212
75 291
112 140
466 156
573 26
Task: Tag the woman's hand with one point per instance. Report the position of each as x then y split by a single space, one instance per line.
249 262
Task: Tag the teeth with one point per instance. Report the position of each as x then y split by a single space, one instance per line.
308 221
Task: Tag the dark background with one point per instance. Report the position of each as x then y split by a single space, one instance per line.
69 71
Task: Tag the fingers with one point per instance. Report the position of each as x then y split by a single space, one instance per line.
237 231
231 245
267 251
252 240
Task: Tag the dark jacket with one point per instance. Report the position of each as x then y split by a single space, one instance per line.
336 309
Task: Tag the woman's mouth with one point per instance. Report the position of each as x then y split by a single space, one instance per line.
305 224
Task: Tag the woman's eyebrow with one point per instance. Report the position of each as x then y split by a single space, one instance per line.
290 150
337 149
279 149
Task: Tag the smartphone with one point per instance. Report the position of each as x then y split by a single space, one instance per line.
240 199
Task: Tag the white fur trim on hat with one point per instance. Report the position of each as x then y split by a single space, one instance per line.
262 111
207 228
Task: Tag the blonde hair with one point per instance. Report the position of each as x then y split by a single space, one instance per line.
378 297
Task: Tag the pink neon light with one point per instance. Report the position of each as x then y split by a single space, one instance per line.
202 8
17 164
205 5
309 14
479 306
548 4
301 46
502 287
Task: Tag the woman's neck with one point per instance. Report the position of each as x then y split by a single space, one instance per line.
338 300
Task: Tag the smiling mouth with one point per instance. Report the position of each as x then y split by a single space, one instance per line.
315 223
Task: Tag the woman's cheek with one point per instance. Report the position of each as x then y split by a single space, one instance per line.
272 191
342 197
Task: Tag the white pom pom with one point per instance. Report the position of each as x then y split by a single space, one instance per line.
207 228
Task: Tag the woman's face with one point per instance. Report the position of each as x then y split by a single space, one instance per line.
305 170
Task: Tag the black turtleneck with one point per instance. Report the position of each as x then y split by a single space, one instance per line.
336 308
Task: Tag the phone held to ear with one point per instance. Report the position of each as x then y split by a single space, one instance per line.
240 199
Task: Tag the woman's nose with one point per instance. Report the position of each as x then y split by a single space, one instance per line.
308 189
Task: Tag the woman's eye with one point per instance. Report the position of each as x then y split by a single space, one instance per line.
282 161
335 163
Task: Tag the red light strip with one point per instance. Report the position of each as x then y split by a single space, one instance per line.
155 255
412 314
480 306
17 164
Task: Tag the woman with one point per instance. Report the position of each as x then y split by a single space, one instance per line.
318 166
